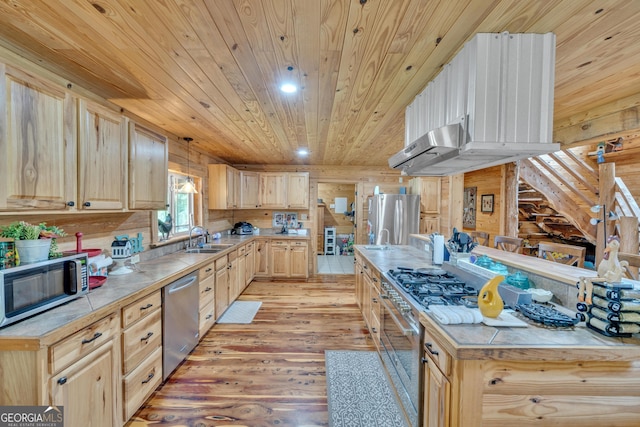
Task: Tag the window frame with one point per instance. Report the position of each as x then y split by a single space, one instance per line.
196 209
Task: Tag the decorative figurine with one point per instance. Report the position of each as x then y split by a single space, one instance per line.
610 270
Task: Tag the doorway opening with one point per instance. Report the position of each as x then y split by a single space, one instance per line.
336 227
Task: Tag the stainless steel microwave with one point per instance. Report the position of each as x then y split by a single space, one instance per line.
33 288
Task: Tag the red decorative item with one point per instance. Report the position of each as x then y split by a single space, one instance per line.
90 252
96 281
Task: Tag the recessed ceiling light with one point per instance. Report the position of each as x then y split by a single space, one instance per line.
303 152
288 88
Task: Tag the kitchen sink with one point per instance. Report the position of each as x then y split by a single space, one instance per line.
378 247
209 248
203 250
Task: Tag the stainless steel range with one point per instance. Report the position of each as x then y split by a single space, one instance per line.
404 293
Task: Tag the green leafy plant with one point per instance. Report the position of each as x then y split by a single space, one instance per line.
22 230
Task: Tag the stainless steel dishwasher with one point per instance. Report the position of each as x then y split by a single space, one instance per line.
179 321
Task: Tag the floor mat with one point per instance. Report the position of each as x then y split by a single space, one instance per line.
358 392
240 312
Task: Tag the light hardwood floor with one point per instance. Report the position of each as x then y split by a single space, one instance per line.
270 372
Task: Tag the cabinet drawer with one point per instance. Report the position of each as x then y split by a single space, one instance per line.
141 308
207 318
207 271
436 352
298 243
82 342
140 340
221 263
207 288
279 243
140 383
242 250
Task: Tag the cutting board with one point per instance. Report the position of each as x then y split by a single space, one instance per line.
504 319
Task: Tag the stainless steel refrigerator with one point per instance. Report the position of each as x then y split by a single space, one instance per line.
392 217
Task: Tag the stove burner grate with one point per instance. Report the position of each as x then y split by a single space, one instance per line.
546 315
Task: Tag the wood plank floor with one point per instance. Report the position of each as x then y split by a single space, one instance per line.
270 372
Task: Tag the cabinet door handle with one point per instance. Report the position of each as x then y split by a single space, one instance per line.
208 270
71 203
95 337
429 347
149 377
374 300
146 307
374 330
62 380
424 360
146 338
87 204
207 289
209 316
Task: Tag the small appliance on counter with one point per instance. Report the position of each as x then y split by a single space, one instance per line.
242 228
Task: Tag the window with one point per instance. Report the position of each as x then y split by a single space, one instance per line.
182 210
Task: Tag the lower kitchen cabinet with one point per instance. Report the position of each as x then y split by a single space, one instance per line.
141 351
222 286
88 388
262 252
250 265
437 388
86 375
207 312
289 258
368 297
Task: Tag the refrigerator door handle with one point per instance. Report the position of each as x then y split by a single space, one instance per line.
398 221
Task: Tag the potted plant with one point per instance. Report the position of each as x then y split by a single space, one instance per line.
33 242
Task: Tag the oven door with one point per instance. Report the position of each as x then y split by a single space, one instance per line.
401 356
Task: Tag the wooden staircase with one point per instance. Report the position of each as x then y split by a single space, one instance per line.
568 188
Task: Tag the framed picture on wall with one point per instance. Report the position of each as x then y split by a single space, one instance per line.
487 203
469 207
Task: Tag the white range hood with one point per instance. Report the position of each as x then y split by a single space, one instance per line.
492 104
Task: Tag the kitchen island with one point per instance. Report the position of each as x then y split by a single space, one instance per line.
478 375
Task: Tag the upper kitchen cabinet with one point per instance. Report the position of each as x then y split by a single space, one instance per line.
37 146
102 150
298 190
148 166
428 188
249 190
224 187
273 190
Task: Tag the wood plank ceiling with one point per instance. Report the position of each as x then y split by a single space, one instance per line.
211 69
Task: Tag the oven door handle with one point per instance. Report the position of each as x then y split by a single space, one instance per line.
407 332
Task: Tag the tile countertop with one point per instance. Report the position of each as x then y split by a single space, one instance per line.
119 290
478 341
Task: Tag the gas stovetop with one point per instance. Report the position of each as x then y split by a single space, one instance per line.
434 286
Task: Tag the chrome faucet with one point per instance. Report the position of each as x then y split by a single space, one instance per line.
383 230
200 236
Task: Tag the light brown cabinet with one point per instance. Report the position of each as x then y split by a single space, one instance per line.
250 255
289 259
249 190
297 190
38 156
86 368
429 190
148 166
224 187
207 307
273 190
233 189
141 351
437 388
262 253
222 286
367 295
102 150
90 380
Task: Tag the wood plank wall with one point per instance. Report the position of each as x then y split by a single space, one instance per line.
486 181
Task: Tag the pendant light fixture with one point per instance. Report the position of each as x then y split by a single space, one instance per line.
189 186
